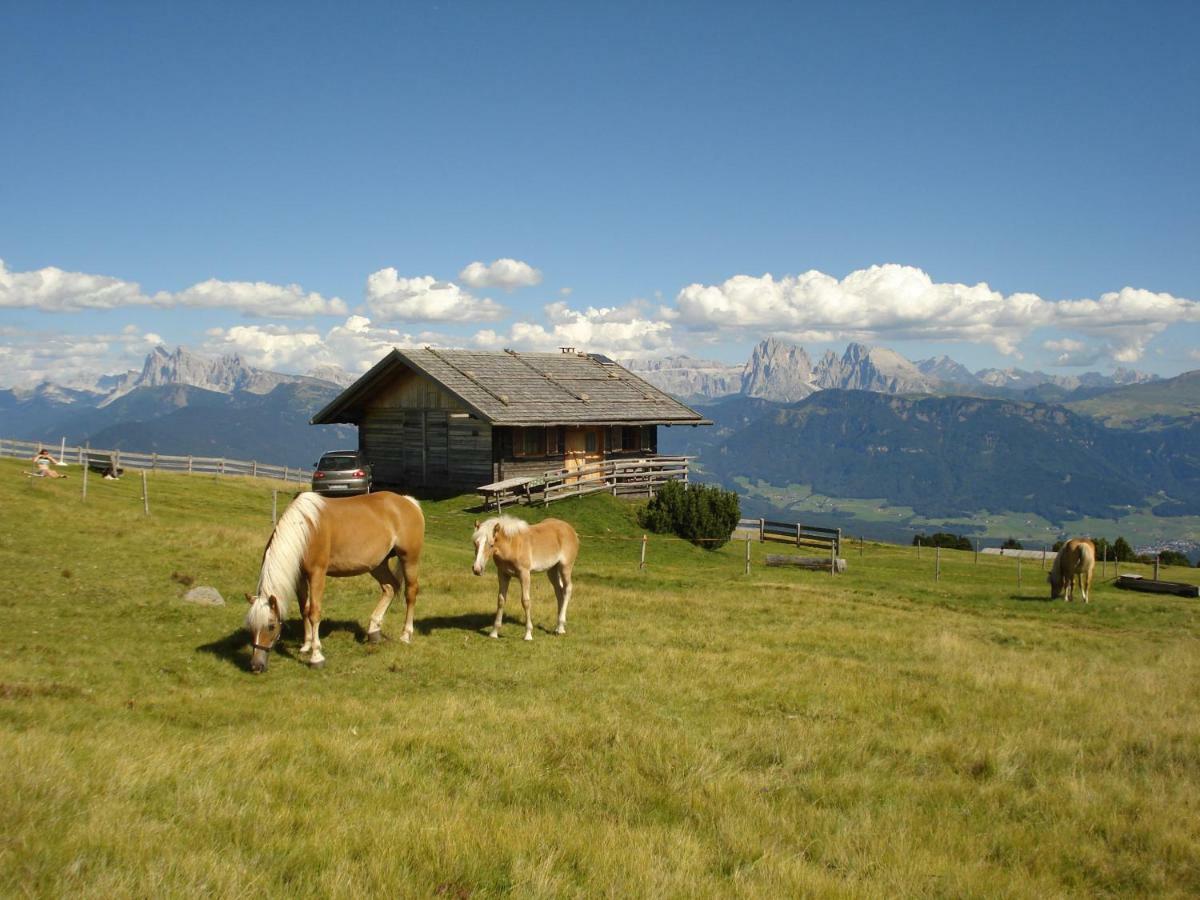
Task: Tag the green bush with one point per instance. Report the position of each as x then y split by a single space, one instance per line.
1011 544
703 514
943 539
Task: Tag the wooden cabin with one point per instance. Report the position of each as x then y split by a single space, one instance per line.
457 419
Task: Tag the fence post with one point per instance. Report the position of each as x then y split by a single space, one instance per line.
747 554
222 465
1104 563
860 546
937 563
1156 567
977 553
116 460
642 562
1018 570
189 464
154 462
762 529
1043 555
84 497
797 534
145 494
832 559
254 469
918 548
274 506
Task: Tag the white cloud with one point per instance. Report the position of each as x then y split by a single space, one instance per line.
424 299
259 298
1073 353
30 357
54 290
507 274
615 331
893 302
355 345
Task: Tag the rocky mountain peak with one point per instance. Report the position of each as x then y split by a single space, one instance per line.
778 371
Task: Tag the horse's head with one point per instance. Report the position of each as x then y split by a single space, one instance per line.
483 542
264 623
1056 585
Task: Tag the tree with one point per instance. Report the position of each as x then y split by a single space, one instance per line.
943 539
1173 558
1122 552
1011 544
703 514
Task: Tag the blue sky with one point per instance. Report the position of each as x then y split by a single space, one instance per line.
307 185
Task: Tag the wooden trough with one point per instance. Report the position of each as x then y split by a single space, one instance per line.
1151 586
816 563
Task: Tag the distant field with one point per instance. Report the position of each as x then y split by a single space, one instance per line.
1139 526
698 732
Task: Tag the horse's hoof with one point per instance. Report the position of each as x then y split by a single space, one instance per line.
494 634
406 638
317 664
374 637
561 629
529 637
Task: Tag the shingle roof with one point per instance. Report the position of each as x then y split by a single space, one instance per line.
510 388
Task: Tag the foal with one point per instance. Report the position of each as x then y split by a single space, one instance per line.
518 548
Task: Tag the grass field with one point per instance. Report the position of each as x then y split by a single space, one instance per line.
698 732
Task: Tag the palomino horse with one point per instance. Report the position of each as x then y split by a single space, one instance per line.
1074 562
518 548
317 537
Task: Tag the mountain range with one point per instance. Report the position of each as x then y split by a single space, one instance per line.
777 370
183 403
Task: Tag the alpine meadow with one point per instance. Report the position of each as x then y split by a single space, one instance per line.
697 732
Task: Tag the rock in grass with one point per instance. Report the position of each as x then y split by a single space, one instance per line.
204 596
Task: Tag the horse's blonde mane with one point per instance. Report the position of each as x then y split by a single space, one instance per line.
280 575
510 525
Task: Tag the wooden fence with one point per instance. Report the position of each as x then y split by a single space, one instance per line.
810 536
616 476
128 459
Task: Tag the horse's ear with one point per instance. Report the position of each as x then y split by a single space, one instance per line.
495 530
274 603
249 599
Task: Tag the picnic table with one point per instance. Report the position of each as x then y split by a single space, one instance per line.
510 490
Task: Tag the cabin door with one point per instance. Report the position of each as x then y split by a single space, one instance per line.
583 447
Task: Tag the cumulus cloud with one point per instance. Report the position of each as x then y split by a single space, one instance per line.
903 303
424 299
506 274
54 290
354 345
616 331
1071 352
28 357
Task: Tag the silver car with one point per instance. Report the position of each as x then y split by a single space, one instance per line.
342 472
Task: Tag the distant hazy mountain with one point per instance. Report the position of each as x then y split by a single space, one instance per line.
778 370
949 457
183 403
1148 404
688 377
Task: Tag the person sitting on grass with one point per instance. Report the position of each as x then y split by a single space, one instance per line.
45 465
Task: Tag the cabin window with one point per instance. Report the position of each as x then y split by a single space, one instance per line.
530 442
650 438
553 446
631 438
591 444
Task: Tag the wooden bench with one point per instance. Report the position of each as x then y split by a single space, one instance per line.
104 462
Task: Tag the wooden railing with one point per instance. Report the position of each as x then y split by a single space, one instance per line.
812 536
616 476
128 459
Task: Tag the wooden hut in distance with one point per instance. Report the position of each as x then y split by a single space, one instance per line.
460 419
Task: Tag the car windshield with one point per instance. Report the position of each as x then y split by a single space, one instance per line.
337 463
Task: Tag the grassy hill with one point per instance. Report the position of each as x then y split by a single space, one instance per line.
1145 404
698 732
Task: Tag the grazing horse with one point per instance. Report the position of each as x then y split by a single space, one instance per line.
316 537
1074 562
518 548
